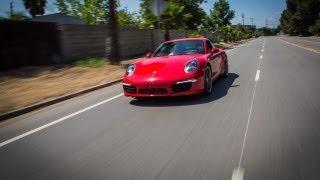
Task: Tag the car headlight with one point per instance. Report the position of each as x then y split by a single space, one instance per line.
191 66
130 69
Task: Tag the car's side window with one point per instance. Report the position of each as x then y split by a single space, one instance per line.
209 46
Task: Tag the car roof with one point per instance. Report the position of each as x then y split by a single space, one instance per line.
188 39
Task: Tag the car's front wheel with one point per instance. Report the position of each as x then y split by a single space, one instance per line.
208 81
226 70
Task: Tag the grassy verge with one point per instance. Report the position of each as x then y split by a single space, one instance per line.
92 62
26 86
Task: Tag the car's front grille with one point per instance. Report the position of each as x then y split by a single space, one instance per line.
130 89
153 91
177 88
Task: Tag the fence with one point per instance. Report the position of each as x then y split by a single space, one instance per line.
37 43
23 43
80 41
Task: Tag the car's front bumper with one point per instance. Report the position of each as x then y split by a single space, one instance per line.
153 89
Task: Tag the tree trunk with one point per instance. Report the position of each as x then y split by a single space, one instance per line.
166 34
114 33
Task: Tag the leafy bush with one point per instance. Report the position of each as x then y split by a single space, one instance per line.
91 62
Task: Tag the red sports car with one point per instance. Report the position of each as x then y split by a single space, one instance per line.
178 67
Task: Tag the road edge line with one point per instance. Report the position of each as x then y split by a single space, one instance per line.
6 142
300 46
56 100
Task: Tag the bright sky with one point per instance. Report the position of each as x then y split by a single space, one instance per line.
259 10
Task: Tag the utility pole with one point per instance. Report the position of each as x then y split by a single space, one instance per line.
11 8
267 23
253 27
242 16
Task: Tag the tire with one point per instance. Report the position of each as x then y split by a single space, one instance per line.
226 70
208 81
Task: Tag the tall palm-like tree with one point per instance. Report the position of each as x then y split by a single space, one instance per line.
114 33
35 7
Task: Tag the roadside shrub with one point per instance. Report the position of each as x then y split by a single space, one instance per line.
91 62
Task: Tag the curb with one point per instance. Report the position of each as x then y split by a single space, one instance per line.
46 103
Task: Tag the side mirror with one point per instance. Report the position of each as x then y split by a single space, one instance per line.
215 50
148 55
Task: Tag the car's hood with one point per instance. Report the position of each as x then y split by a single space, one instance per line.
162 69
163 65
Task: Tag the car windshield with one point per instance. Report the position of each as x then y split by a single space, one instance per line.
180 48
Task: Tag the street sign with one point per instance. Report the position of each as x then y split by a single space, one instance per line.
158 7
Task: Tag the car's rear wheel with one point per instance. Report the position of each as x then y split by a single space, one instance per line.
226 70
208 81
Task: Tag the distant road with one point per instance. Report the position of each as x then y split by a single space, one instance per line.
262 122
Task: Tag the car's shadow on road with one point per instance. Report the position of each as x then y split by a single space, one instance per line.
220 89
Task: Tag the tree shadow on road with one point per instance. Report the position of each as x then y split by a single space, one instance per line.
220 89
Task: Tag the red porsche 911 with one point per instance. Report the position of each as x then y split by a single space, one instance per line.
178 67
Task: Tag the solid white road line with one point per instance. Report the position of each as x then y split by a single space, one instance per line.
57 121
257 75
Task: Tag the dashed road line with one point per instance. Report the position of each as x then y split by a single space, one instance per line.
257 75
238 172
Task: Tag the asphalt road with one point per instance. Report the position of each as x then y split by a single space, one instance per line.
262 122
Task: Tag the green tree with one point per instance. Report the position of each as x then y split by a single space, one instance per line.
179 14
192 7
62 6
285 22
126 18
90 11
148 19
220 15
35 7
299 16
315 29
18 16
12 15
174 18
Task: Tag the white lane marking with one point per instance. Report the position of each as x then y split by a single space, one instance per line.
261 56
247 126
57 121
257 75
237 174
